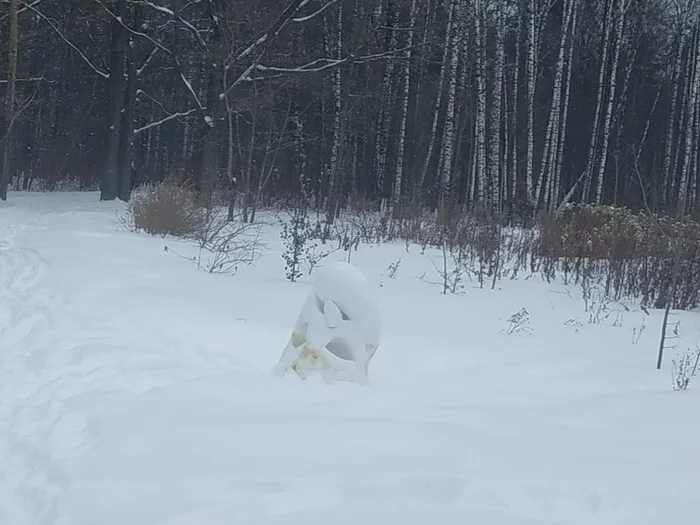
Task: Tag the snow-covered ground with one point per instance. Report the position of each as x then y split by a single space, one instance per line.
135 389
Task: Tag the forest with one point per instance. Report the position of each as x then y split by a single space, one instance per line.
518 106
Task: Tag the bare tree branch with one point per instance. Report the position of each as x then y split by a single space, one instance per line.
21 109
164 120
64 38
167 11
21 10
160 46
321 64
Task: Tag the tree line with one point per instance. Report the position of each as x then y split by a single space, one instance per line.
512 105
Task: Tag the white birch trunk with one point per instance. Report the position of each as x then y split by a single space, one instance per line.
382 138
692 191
480 161
682 121
337 113
398 180
622 9
607 23
559 159
496 156
667 176
544 182
438 103
531 84
690 132
513 171
448 129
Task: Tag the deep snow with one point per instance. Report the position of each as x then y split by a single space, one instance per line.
136 389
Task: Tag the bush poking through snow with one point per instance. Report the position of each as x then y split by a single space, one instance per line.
684 369
166 208
637 332
575 323
393 268
519 323
301 253
295 234
225 245
452 272
613 248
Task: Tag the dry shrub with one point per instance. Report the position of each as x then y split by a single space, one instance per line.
172 207
601 232
630 254
169 207
612 250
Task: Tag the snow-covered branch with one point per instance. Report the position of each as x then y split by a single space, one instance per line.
162 9
169 12
273 31
320 64
75 48
33 79
164 120
315 13
146 61
189 87
248 50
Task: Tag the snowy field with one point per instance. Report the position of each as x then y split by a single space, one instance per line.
136 389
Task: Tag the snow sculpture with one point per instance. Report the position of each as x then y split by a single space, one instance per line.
338 329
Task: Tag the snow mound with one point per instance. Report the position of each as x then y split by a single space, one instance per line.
337 331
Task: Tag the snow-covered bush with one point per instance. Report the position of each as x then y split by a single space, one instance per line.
337 331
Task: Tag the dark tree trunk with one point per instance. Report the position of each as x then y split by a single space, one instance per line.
110 175
211 123
9 101
126 153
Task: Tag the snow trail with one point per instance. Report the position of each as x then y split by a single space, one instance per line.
27 488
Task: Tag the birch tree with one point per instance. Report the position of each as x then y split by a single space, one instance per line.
691 128
478 179
382 135
545 180
335 179
607 24
496 157
623 5
559 157
531 86
438 102
448 129
406 79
